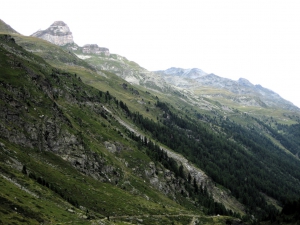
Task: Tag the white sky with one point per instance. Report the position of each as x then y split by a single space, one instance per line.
255 39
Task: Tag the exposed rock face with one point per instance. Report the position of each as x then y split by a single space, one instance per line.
58 33
24 122
47 134
95 49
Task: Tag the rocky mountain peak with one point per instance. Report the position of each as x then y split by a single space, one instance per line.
58 33
59 23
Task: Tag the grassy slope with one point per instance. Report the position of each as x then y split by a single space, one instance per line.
53 54
5 28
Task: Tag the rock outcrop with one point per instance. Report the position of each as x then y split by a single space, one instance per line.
95 49
58 33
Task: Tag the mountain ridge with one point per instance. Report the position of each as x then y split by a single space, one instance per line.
194 79
189 79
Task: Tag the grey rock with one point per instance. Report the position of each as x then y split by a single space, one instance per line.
110 147
58 33
94 49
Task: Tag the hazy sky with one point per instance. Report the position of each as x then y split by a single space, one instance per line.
255 39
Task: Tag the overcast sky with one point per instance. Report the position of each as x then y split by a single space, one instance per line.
256 39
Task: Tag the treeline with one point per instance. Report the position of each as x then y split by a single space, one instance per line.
248 167
271 159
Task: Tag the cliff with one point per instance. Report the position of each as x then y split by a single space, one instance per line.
58 33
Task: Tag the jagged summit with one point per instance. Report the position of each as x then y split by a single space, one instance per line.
58 33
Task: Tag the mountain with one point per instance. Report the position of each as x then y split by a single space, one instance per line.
80 144
58 33
241 91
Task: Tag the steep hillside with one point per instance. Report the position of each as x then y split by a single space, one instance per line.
65 152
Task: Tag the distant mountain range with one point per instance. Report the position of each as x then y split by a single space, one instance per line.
196 79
